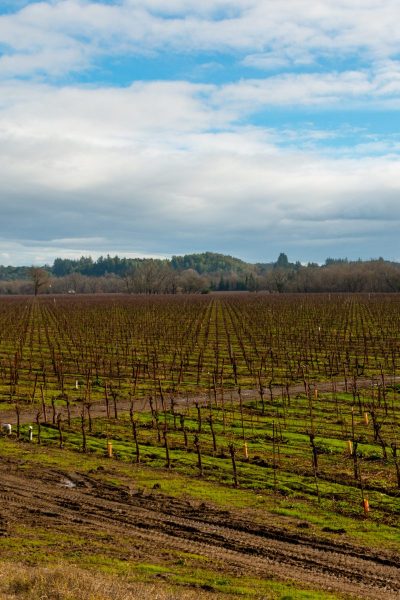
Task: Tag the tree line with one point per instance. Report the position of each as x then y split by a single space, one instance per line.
200 273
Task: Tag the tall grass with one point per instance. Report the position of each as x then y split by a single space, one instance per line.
66 582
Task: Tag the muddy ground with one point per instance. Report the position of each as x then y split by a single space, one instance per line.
134 526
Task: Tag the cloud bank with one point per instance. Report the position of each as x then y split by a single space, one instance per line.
293 150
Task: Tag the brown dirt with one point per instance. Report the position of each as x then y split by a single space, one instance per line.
98 409
151 527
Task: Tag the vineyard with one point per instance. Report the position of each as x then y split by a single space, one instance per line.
292 400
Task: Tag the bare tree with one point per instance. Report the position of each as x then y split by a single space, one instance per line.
150 276
39 277
190 281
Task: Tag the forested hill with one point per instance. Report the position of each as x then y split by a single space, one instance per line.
203 272
207 262
210 262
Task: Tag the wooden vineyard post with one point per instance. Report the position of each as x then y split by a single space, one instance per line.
198 417
222 398
232 451
377 425
310 409
271 393
241 412
135 437
210 420
364 499
59 427
315 464
38 426
215 388
88 406
164 409
246 451
352 446
314 452
109 449
83 429
134 432
43 404
383 385
366 506
68 411
167 457
114 395
198 450
152 410
17 410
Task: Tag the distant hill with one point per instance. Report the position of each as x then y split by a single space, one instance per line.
202 263
13 273
211 262
204 272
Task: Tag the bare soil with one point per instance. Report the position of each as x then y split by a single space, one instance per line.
28 414
134 526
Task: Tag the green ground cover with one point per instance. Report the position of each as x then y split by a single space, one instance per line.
298 408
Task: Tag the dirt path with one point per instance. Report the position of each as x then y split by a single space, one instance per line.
98 409
148 527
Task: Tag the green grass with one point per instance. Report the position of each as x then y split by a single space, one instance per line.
282 467
41 547
291 499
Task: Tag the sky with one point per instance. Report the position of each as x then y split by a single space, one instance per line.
165 127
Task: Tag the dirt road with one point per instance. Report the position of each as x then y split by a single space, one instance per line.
132 526
98 409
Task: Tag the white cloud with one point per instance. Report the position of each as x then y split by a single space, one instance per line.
176 166
92 164
52 39
340 90
31 252
270 61
66 35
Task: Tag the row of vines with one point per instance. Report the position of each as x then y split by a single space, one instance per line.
295 394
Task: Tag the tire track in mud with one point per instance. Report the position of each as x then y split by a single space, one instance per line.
153 524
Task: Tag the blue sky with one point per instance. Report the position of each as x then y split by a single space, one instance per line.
157 127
